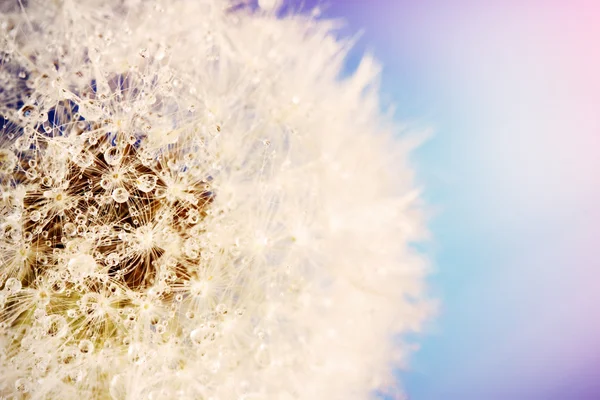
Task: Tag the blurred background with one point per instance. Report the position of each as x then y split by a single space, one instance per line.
511 90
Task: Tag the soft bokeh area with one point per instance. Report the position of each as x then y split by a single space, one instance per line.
512 176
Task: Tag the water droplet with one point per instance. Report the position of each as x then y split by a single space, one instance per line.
12 285
146 183
82 265
70 229
197 335
112 259
193 216
58 286
120 195
35 216
47 181
23 143
56 326
22 385
191 248
113 155
105 183
86 346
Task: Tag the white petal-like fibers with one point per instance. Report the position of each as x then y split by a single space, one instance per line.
194 205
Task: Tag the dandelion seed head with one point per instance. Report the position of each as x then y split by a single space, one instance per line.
194 205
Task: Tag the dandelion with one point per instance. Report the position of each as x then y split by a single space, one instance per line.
194 205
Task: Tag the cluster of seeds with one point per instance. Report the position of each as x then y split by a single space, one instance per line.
175 218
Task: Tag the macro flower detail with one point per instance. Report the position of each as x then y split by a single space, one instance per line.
194 205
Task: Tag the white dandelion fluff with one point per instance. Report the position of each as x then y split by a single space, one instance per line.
194 205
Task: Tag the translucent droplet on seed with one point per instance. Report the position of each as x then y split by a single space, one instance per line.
112 259
56 326
120 195
197 335
105 183
35 216
23 143
47 181
86 346
12 285
70 229
22 385
146 183
82 265
113 156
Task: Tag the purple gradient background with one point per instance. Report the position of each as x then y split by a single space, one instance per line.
512 173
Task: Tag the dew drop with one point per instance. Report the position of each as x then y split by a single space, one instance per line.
120 195
58 286
113 156
146 183
23 143
196 336
70 229
47 181
12 285
35 216
86 346
112 259
82 265
56 326
22 385
105 183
